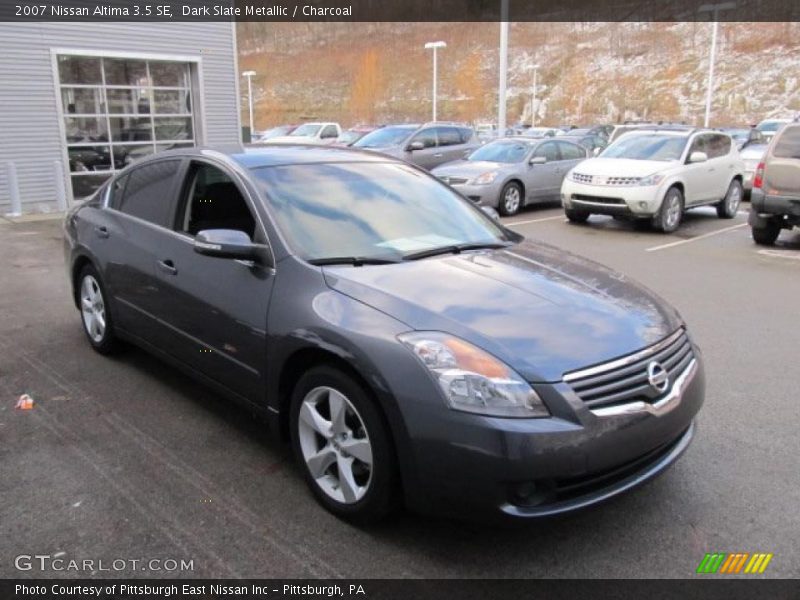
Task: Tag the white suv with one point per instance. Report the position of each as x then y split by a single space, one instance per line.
655 175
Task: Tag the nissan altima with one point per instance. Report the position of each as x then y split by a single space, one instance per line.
412 350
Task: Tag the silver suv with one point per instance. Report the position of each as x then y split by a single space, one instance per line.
427 146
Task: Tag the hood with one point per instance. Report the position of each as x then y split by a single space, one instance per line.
622 167
541 310
468 168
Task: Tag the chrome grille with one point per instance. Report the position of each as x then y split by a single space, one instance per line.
625 380
622 180
454 180
581 178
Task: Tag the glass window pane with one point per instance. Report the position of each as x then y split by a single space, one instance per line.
86 185
173 128
131 129
124 71
147 193
172 101
89 158
86 129
83 101
130 102
162 147
169 74
79 69
126 154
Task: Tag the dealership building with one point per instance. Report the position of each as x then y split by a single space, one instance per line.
79 101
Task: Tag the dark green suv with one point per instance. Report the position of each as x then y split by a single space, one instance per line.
775 199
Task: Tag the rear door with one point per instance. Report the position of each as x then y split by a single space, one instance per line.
138 212
782 170
216 308
450 144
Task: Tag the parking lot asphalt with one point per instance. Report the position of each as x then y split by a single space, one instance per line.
122 458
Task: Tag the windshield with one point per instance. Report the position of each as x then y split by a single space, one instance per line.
770 126
537 132
740 135
647 147
501 152
387 136
788 145
348 137
276 132
369 210
307 130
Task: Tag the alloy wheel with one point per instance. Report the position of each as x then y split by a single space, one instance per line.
734 199
335 445
511 199
673 211
93 309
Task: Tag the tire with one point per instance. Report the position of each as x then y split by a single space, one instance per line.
576 215
670 214
766 236
729 205
360 446
511 199
95 310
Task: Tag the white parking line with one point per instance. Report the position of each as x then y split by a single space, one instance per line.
781 254
694 239
536 220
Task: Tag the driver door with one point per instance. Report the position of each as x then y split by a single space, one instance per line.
430 155
699 176
546 178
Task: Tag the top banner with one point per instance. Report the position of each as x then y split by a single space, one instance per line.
400 10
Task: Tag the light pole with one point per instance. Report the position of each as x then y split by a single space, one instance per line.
249 75
533 96
714 10
434 46
501 92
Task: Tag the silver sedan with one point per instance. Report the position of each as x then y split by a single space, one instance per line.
508 174
752 155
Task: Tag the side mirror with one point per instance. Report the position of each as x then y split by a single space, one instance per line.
596 151
225 243
538 160
415 146
491 212
698 157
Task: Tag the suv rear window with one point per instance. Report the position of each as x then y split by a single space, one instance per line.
788 144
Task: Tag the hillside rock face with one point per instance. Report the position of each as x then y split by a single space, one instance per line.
367 73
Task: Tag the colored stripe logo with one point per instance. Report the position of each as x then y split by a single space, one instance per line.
734 563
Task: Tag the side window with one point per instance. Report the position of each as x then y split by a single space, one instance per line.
699 144
117 190
466 135
571 151
720 146
548 150
426 136
213 201
329 132
448 136
148 191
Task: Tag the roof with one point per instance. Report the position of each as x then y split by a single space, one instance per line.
253 157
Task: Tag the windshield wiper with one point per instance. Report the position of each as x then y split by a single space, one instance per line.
356 261
454 249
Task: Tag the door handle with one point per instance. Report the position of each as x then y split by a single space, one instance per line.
437 155
168 266
101 231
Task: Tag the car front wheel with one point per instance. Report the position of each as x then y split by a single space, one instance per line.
95 315
343 445
729 205
669 217
576 215
510 199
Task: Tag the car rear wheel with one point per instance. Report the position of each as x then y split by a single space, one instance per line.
669 216
766 236
343 445
576 215
510 199
729 205
95 315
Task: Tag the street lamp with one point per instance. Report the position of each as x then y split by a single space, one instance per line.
501 92
250 75
714 10
434 46
533 96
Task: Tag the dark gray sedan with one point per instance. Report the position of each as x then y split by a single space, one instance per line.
511 173
412 349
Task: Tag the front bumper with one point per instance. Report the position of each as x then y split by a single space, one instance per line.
526 468
482 195
632 201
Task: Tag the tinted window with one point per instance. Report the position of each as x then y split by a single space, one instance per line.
466 134
148 191
117 191
427 137
718 145
502 151
448 136
213 201
386 136
571 151
329 132
369 210
548 150
788 144
700 144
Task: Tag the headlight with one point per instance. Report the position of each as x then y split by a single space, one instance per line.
486 178
473 380
653 179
